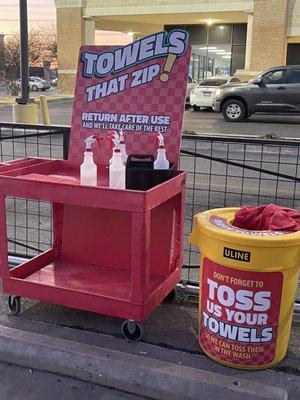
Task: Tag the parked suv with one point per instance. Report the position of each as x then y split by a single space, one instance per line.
273 91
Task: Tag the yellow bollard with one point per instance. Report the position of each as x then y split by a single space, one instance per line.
44 108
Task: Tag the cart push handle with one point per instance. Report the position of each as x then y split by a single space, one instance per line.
133 159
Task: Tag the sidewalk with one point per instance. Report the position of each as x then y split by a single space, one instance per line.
170 337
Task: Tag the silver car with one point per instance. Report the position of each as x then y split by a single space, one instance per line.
36 83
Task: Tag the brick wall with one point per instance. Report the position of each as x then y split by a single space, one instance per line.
69 36
70 33
269 34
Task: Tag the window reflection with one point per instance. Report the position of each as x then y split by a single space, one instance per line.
210 61
217 50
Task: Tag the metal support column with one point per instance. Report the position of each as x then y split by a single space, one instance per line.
24 73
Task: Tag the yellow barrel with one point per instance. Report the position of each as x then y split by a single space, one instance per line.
248 282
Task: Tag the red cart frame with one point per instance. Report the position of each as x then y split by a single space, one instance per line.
114 252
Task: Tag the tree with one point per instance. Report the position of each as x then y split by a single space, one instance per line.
12 56
1 52
42 45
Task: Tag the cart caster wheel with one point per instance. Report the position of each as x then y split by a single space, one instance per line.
171 296
180 294
132 330
14 304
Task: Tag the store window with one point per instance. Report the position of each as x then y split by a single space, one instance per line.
218 50
215 60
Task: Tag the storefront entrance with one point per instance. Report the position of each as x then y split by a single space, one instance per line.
218 50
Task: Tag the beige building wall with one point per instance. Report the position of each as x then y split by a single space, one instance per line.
69 37
73 30
271 24
293 31
119 7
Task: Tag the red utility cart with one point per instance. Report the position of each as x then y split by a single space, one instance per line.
114 252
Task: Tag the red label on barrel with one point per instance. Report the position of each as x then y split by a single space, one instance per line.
239 314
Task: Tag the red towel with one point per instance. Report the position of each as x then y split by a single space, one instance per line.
270 217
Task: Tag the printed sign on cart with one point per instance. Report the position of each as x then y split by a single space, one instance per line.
239 314
139 88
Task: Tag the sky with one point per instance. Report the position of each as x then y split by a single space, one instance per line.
39 11
44 12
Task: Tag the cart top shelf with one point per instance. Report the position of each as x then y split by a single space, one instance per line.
58 181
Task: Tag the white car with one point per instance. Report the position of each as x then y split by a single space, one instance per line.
54 81
202 94
36 83
191 83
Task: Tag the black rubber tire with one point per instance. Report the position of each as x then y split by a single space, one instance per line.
171 296
196 108
34 88
234 111
14 304
135 334
43 90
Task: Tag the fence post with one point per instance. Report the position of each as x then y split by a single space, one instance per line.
66 139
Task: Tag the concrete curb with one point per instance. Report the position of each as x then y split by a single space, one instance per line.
122 371
9 102
54 99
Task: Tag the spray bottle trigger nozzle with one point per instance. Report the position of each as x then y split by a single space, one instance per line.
90 140
122 141
115 139
160 140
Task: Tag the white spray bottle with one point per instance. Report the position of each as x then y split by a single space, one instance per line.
161 161
117 171
88 169
123 148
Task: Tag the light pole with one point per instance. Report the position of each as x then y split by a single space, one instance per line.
209 22
25 111
24 75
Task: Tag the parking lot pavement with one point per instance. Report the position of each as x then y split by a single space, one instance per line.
207 121
51 93
201 122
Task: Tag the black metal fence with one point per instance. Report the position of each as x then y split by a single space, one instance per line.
221 172
236 171
29 222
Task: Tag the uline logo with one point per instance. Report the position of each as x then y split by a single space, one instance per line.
237 254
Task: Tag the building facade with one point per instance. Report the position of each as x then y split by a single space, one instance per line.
240 37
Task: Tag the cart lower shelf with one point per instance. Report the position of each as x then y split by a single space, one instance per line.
93 279
88 287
